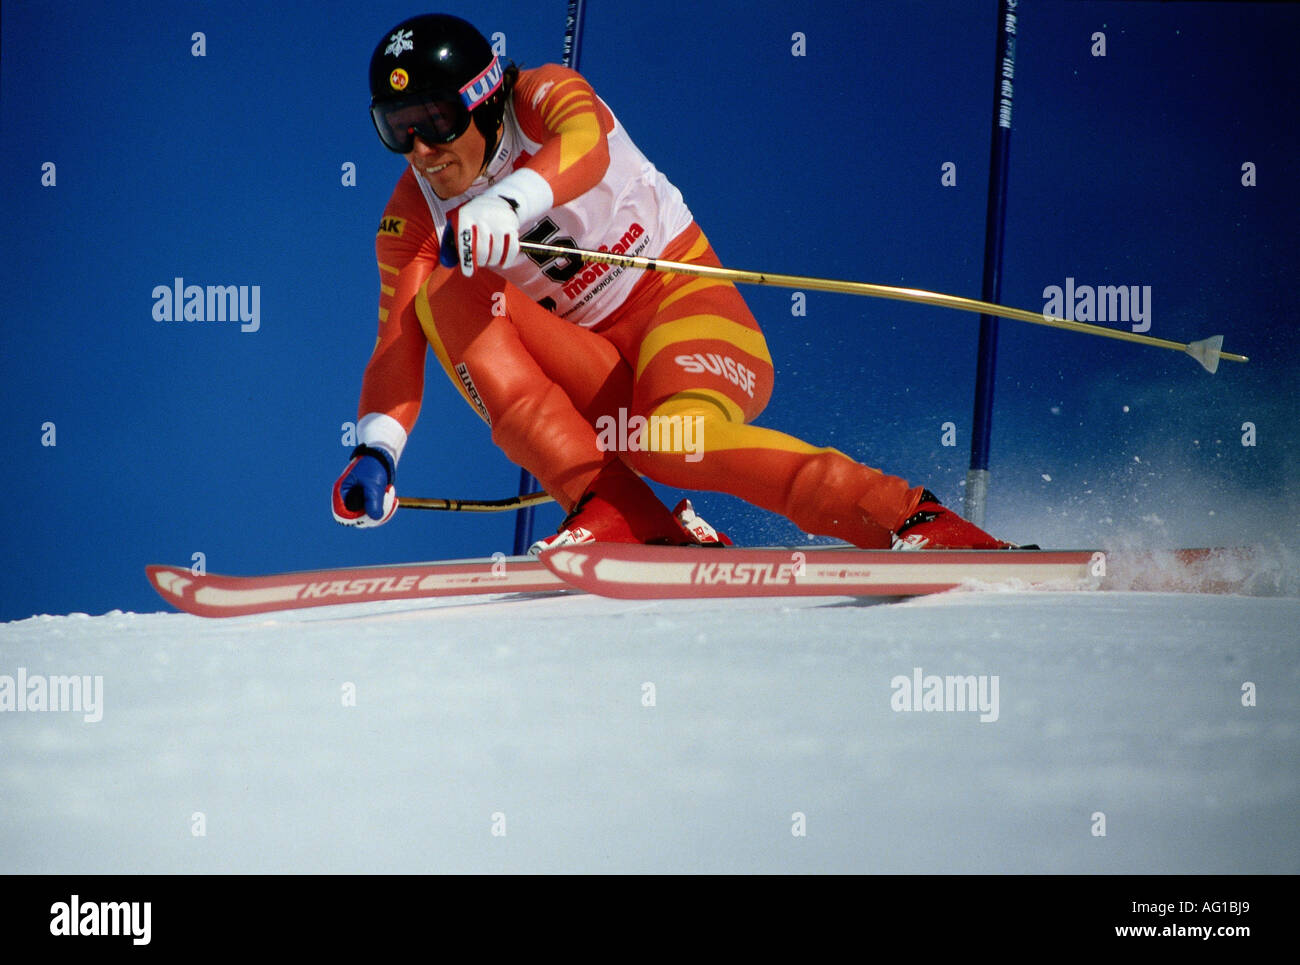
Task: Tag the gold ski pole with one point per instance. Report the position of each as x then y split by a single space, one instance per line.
474 505
1206 351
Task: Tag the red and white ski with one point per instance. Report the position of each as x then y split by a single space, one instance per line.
215 595
633 571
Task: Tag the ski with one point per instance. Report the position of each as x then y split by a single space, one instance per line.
217 595
634 571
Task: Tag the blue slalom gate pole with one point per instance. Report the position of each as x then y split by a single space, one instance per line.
977 477
527 483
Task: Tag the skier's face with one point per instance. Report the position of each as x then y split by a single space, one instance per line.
449 168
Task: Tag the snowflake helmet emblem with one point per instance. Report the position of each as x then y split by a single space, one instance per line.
399 42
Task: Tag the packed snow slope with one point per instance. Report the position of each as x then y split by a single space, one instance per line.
1107 732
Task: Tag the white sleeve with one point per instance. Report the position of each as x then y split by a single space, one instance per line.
381 431
530 192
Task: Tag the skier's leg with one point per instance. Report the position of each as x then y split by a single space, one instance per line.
588 367
533 420
618 504
515 384
698 356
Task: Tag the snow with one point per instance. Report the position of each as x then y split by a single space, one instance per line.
596 735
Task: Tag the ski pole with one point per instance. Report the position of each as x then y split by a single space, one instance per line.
475 505
1206 351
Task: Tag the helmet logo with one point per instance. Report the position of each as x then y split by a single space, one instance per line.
398 43
398 79
483 86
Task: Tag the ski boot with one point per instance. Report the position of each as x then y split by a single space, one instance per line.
934 527
619 507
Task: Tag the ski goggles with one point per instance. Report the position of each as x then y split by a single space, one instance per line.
436 118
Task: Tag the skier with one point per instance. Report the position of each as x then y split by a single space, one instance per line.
552 352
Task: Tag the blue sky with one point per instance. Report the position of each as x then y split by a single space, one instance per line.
176 438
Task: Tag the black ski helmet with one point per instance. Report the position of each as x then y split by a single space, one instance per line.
430 76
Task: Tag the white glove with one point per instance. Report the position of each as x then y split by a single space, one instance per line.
487 233
484 232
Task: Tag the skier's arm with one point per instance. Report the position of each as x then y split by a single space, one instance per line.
393 384
557 108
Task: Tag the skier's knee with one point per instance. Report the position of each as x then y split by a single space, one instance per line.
675 430
704 407
527 419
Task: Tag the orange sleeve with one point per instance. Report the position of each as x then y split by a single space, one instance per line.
558 109
407 253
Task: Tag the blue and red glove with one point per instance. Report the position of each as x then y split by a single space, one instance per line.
364 494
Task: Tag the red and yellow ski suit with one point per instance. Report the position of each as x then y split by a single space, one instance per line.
545 349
